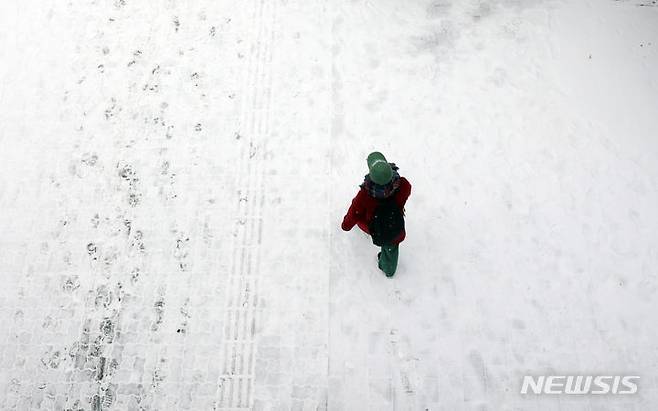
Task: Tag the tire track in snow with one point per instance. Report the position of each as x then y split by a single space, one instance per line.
236 382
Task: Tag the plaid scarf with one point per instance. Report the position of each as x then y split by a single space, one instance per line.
382 191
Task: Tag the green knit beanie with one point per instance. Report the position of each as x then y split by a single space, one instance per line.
380 170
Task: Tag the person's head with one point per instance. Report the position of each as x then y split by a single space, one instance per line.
380 170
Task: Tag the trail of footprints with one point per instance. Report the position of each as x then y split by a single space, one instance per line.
96 355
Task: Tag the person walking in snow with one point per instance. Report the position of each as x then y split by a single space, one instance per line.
378 209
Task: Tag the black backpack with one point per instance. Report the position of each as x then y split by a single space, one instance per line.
387 223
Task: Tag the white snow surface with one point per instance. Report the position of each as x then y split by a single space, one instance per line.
173 174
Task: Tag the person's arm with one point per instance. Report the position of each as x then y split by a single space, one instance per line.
354 213
404 192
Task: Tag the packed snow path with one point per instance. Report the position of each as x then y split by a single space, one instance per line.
174 174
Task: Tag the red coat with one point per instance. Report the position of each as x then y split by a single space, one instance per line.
363 208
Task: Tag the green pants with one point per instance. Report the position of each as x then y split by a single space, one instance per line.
388 259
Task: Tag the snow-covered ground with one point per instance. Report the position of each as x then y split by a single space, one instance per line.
173 174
